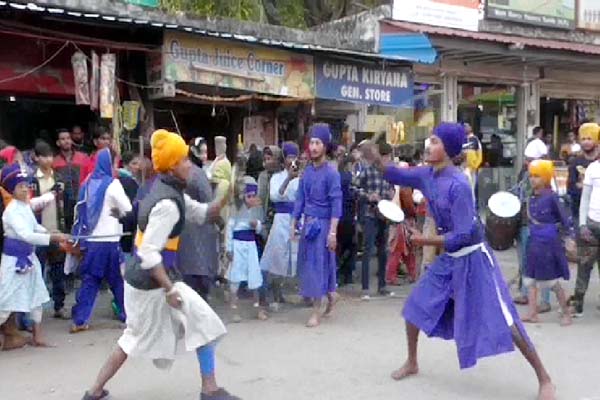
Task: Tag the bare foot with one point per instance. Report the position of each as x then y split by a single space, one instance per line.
262 315
566 319
41 343
532 319
547 391
332 299
405 371
313 321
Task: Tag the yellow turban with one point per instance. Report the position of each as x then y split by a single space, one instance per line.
168 149
589 130
542 168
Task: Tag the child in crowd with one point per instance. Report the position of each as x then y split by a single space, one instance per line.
22 287
52 218
242 228
546 258
102 140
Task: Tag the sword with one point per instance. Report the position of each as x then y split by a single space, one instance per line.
87 237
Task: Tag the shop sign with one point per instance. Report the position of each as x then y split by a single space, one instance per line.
588 14
460 14
217 62
361 83
551 13
145 3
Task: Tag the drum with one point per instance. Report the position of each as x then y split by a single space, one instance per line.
503 220
390 211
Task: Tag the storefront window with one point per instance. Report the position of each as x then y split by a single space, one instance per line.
492 112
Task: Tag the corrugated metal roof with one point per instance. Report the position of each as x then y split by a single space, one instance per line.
162 22
389 26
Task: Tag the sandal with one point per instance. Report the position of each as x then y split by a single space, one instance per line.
78 329
88 396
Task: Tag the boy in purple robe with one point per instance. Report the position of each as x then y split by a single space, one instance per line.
462 296
546 258
319 200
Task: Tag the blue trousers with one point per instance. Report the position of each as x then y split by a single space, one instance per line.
522 241
101 261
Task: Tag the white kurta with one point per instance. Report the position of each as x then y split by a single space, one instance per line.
22 292
245 266
154 329
281 253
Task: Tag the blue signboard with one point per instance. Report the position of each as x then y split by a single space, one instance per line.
362 83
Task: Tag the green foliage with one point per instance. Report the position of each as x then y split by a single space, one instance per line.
246 10
292 13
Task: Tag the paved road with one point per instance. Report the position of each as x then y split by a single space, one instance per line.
349 357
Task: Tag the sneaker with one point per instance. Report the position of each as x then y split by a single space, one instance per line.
60 314
576 311
365 297
385 293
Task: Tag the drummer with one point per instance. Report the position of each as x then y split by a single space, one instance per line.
463 295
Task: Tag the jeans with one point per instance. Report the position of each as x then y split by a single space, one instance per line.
375 234
589 255
55 271
522 240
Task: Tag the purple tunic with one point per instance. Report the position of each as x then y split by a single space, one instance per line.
319 199
546 257
461 296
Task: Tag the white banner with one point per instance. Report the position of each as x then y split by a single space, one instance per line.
460 14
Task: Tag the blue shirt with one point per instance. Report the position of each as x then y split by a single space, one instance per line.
319 193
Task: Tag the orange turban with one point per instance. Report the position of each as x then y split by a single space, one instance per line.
168 149
589 130
542 168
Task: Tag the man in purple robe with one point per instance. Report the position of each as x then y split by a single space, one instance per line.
319 200
462 296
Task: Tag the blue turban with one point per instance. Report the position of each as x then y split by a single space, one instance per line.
12 175
321 132
453 136
250 185
290 149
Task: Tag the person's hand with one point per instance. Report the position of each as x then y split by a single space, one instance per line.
229 256
570 246
59 237
253 224
415 236
174 299
293 172
374 197
214 211
332 241
585 234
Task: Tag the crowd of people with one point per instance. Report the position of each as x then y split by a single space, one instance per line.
172 223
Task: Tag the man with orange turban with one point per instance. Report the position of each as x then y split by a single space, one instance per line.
588 211
162 310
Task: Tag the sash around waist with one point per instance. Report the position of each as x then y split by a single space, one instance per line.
16 248
543 231
283 207
247 235
465 251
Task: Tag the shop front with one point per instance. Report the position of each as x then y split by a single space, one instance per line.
211 87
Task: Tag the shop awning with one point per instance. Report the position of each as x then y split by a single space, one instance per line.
415 47
496 48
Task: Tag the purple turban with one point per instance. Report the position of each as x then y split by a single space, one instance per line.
12 175
321 132
250 185
290 149
453 136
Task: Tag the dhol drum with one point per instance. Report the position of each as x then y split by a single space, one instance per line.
502 220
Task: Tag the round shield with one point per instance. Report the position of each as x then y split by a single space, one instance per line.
391 211
504 204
